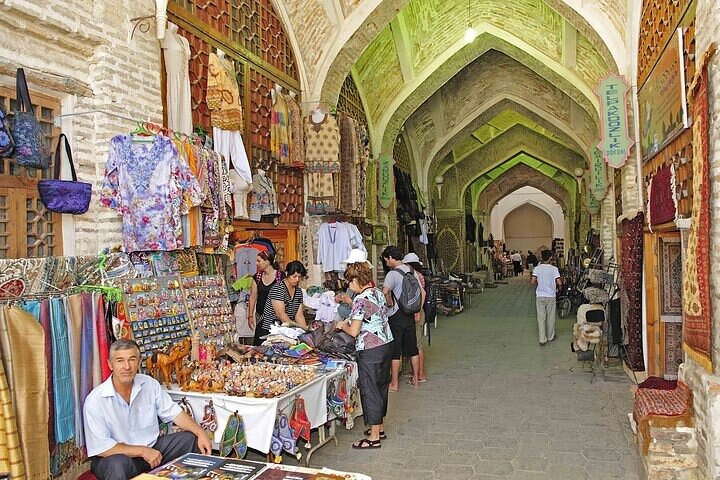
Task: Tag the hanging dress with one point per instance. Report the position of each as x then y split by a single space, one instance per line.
176 52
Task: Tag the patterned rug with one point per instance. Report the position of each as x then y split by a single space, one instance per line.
671 266
631 268
673 349
697 331
661 201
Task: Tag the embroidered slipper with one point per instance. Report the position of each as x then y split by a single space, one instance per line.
365 443
382 434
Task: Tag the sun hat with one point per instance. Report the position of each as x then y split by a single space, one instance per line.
357 256
411 258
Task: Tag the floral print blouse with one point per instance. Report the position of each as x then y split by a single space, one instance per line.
369 307
151 186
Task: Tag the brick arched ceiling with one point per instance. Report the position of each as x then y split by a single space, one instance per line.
551 158
479 93
330 35
518 172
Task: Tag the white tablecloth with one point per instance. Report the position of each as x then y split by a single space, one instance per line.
259 414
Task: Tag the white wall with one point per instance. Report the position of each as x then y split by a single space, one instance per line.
522 196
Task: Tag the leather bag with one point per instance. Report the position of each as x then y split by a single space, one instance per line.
65 196
30 148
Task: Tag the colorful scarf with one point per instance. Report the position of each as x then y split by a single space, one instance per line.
62 380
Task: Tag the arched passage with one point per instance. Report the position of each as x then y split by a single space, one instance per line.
535 219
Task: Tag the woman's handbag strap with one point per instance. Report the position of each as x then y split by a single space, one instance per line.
22 93
58 158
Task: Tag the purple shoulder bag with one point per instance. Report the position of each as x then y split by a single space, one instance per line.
65 196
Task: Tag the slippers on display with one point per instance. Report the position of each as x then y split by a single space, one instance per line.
382 434
365 443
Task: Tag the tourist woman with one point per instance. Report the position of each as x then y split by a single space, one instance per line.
284 301
368 323
268 274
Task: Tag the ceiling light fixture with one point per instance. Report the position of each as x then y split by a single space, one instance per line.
470 33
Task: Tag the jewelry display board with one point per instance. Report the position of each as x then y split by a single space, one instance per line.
157 312
208 307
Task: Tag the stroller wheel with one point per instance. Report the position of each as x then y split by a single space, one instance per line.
564 307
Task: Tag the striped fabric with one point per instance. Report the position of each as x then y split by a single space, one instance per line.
62 381
86 346
101 332
73 314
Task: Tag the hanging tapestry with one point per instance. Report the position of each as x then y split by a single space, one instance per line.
661 201
673 349
697 326
671 267
631 268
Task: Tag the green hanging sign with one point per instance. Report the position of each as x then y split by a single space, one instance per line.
615 143
386 189
598 174
592 204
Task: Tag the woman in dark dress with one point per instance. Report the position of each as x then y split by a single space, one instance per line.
268 274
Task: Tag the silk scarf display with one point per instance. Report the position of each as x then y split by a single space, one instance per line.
29 369
11 459
697 326
631 268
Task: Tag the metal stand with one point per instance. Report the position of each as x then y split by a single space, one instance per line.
323 438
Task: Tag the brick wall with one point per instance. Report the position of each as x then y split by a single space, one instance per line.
81 52
706 387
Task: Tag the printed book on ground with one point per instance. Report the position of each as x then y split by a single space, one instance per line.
194 466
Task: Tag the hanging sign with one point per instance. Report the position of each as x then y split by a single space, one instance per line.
592 204
598 174
615 143
386 191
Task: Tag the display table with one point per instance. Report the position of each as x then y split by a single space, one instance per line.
259 414
194 466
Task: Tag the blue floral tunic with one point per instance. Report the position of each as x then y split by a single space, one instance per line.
151 186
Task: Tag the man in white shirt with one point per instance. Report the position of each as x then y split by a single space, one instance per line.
547 279
401 324
517 262
121 421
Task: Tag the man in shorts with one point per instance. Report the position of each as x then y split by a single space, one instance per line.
402 324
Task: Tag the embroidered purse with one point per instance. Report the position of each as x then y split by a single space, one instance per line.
65 196
299 420
30 148
7 144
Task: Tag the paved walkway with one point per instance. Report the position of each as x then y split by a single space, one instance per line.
497 405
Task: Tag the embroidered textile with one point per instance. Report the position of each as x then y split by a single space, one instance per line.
151 187
297 140
223 94
322 145
349 161
672 278
263 200
631 268
321 198
661 204
671 403
279 130
697 314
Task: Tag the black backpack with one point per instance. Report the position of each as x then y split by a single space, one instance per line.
410 300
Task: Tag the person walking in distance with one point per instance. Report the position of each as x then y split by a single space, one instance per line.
546 278
517 262
532 261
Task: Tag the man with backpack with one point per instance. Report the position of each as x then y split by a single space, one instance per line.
403 296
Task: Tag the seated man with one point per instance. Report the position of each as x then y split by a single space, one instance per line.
121 421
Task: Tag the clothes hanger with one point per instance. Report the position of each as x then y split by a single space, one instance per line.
141 130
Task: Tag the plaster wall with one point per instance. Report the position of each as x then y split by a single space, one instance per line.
522 196
81 53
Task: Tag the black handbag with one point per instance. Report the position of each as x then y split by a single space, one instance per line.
65 196
337 342
30 148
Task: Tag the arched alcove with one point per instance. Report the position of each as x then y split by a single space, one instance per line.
527 227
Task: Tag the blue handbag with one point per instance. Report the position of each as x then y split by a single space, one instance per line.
30 148
7 144
65 196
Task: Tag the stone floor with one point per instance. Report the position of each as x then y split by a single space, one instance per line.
498 405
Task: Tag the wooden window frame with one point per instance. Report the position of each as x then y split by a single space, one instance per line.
18 188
